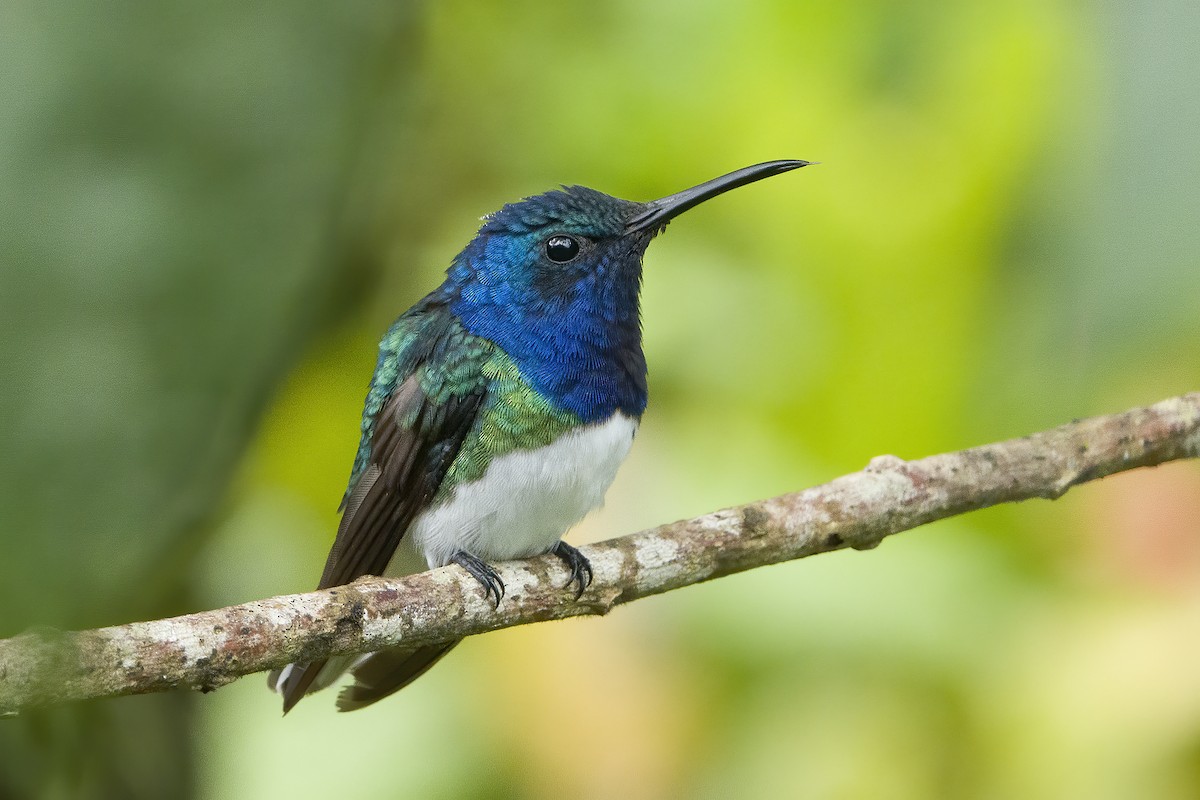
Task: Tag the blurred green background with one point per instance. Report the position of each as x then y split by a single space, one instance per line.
209 213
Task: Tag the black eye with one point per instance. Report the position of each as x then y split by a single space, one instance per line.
561 249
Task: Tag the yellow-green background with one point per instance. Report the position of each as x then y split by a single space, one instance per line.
209 212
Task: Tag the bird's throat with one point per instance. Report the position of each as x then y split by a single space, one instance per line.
582 357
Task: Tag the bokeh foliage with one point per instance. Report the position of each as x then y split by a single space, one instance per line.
212 213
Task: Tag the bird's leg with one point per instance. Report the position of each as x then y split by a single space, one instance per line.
483 572
581 568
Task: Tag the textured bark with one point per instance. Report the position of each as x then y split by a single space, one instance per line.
212 648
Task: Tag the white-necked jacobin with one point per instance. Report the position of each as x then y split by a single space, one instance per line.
501 406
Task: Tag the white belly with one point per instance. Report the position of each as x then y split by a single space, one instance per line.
524 502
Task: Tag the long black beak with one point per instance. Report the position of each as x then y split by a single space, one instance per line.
660 212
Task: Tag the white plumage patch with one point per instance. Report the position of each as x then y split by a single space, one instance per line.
525 501
281 681
523 504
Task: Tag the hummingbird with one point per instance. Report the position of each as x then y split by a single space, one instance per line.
501 406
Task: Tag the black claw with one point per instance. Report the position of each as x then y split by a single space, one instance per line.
483 572
581 568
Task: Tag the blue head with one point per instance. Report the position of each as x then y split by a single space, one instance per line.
555 279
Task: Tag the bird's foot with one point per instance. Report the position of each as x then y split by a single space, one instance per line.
483 572
581 568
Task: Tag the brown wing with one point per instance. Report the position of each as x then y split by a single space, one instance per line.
406 468
413 445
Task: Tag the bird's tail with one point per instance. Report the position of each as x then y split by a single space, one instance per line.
382 673
296 680
376 675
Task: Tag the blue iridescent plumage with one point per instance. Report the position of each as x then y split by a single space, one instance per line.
573 329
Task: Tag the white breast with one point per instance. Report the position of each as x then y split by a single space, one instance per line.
525 501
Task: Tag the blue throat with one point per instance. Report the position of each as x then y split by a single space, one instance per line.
575 335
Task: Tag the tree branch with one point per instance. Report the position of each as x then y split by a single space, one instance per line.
212 648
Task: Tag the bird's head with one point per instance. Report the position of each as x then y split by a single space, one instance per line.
546 251
555 279
541 252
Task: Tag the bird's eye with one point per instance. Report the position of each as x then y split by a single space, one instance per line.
561 249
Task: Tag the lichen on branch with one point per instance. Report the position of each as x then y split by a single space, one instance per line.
211 648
